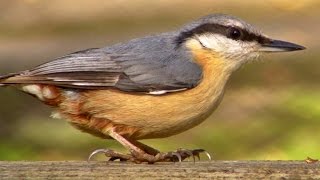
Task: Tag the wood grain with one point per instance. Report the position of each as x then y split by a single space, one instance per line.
185 170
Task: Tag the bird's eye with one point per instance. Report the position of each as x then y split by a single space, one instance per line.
234 33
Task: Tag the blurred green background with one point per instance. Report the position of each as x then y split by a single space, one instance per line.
271 109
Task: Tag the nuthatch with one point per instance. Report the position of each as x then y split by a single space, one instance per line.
152 87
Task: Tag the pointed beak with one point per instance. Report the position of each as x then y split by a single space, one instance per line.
279 46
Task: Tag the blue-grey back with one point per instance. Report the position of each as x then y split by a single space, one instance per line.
148 64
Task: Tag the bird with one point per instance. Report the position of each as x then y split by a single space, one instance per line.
150 87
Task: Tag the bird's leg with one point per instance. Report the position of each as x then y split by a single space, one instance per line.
144 147
143 153
138 155
169 156
134 150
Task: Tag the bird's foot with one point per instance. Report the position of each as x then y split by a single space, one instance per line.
181 154
113 155
174 156
186 153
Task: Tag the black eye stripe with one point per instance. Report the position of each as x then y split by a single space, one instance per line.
220 29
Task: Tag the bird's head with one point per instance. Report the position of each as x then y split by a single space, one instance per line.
231 38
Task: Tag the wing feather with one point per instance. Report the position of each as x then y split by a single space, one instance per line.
99 68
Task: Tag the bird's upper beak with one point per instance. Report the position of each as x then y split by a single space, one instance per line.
279 46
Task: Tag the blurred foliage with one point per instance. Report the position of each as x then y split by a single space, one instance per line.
271 109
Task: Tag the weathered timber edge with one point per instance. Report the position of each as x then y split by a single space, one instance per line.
187 170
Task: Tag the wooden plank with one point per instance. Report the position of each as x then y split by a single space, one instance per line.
185 170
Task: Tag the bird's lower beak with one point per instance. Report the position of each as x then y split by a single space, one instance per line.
279 46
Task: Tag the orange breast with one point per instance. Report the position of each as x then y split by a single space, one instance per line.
148 116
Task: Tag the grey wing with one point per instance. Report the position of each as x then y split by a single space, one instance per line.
98 69
83 69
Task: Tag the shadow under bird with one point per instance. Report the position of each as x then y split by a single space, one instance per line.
151 87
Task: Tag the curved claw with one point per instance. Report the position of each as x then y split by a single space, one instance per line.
98 151
208 155
196 152
178 156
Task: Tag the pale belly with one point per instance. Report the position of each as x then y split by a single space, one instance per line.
152 116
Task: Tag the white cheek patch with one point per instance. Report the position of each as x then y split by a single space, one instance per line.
230 49
219 43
